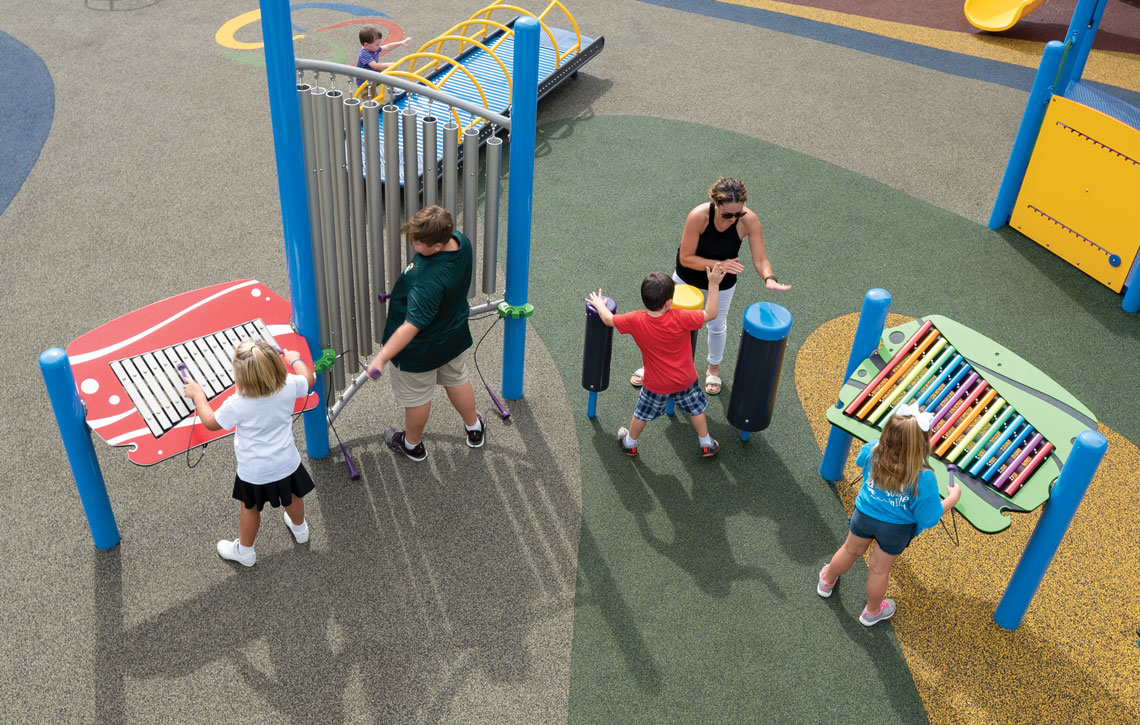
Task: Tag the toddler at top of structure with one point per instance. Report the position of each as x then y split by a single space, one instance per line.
663 334
371 49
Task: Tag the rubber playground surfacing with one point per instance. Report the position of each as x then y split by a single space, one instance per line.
681 590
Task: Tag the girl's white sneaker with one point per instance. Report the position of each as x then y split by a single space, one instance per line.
300 535
229 550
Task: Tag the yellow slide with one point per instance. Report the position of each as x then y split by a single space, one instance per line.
998 15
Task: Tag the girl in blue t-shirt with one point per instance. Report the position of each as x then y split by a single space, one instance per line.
898 500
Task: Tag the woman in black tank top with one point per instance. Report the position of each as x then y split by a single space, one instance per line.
713 243
713 233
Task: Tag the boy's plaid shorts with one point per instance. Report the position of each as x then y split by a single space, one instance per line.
651 405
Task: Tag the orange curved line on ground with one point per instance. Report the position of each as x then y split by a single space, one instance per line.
360 21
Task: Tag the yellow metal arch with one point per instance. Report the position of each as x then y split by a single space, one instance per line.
418 79
492 8
461 27
464 39
439 56
458 33
573 22
541 16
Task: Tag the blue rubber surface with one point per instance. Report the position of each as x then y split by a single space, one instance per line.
24 125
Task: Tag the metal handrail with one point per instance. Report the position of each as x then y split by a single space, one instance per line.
475 109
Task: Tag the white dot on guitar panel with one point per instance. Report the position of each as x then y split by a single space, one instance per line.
113 400
160 453
256 292
89 386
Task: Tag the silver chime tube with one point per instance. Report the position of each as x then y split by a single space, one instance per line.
471 197
305 93
392 193
491 214
411 167
431 162
343 242
450 166
328 229
374 189
359 240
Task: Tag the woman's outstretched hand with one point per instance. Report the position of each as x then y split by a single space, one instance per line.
733 266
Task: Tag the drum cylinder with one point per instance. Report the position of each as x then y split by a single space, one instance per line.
758 364
688 297
598 349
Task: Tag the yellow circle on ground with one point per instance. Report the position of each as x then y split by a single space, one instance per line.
688 297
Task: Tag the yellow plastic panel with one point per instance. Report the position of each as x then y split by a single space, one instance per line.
1081 195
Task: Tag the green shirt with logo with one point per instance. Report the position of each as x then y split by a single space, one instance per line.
431 294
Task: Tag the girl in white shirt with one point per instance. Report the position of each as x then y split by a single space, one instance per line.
269 468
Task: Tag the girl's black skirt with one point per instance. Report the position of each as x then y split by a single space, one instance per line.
278 493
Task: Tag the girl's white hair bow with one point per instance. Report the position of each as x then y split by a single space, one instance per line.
909 410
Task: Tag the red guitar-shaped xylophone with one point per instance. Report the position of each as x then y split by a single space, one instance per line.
128 370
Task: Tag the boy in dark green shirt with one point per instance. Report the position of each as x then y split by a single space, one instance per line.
427 332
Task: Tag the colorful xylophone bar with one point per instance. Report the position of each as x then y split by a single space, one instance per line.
1004 450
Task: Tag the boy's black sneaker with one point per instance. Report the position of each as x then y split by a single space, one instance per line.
710 450
475 437
395 440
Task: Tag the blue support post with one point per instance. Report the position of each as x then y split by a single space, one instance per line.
1058 513
592 405
71 419
1082 29
281 75
872 321
1027 134
520 199
1131 301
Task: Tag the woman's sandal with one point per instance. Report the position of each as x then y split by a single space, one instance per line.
712 384
637 378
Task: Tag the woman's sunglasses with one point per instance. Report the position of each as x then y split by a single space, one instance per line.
731 215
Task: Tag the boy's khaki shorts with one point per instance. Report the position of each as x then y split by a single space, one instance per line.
412 390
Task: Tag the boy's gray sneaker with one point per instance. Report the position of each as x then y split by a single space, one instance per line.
621 436
710 450
886 611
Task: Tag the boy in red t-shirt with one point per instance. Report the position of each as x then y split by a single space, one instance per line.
663 334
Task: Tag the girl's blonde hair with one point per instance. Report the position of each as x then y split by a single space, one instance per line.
258 369
901 454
